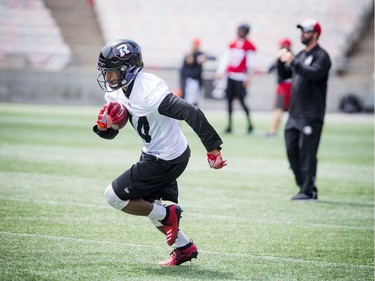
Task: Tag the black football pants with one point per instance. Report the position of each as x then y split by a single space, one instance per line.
235 89
302 139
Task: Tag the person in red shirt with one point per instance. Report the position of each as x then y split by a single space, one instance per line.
236 65
283 92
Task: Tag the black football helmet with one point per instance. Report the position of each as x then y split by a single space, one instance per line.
123 55
244 28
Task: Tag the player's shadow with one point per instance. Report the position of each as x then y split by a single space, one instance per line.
186 271
349 204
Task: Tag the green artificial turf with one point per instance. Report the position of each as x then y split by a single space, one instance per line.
56 225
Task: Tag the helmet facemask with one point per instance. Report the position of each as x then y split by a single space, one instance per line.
122 56
125 75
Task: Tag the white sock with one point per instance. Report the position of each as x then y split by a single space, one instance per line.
181 239
158 212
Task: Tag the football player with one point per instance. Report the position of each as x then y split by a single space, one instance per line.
237 65
154 112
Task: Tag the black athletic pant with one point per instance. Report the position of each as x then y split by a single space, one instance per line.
302 139
235 89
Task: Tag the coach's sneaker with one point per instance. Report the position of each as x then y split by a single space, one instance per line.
181 255
171 223
304 197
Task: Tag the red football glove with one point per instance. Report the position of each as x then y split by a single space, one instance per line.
102 117
111 113
216 161
116 112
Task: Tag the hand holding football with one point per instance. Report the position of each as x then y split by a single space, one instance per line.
113 115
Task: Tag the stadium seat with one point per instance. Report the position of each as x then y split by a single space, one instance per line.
30 36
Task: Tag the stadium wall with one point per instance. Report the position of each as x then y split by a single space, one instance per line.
78 87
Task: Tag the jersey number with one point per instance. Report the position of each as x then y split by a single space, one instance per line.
143 128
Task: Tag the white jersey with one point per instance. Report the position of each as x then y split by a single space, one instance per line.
161 135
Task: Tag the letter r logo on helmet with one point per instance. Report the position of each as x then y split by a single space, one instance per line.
122 55
122 51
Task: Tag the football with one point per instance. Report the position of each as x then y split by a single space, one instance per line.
120 116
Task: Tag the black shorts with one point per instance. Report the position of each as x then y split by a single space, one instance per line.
151 178
235 89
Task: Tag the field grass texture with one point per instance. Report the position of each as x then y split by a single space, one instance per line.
56 225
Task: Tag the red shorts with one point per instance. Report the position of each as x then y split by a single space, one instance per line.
283 92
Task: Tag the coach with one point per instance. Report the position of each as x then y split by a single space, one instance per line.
309 71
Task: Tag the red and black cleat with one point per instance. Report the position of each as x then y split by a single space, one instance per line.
181 255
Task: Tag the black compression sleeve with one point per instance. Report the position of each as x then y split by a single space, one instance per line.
108 134
177 108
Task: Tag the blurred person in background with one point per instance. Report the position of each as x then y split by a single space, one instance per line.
191 73
236 66
309 71
283 93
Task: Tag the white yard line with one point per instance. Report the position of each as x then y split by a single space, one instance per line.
226 217
270 258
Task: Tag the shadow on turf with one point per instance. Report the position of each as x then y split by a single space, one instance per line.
184 271
353 204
